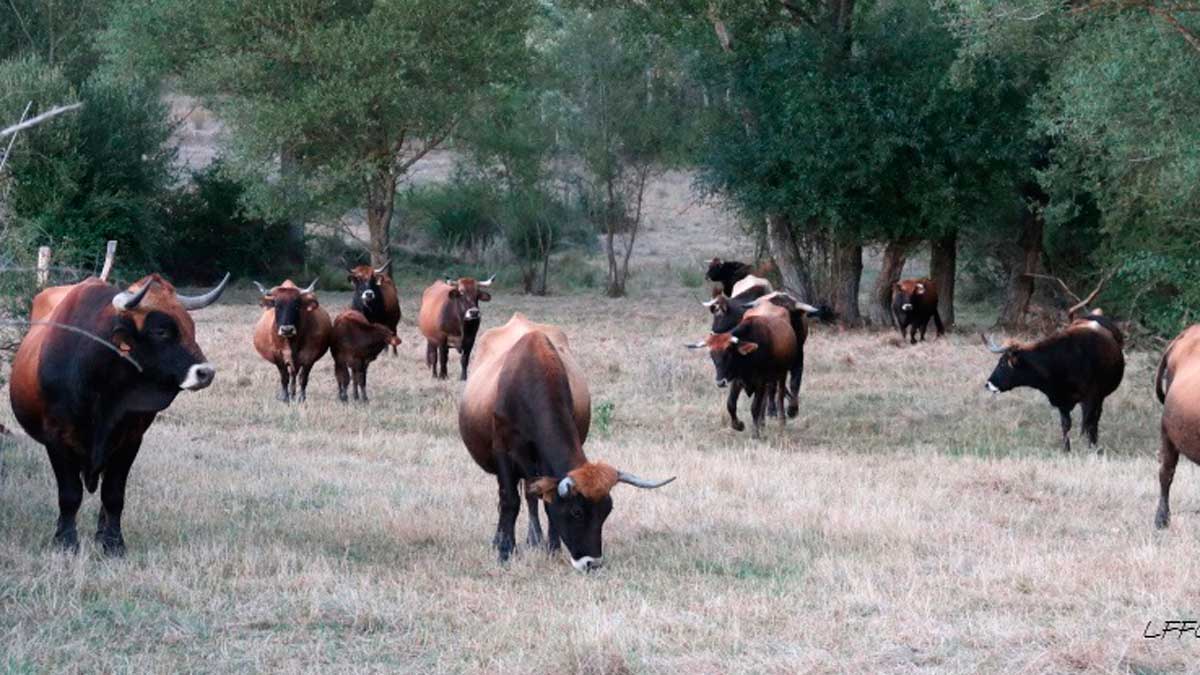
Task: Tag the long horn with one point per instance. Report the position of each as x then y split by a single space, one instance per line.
261 289
310 287
126 300
623 477
710 303
565 485
384 266
991 345
808 309
488 282
194 302
698 345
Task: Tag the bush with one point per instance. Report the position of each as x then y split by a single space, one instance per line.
459 216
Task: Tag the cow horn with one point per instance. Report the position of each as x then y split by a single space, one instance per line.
631 479
384 266
451 282
261 289
733 339
194 302
310 287
127 300
808 309
488 282
564 487
710 303
991 345
698 345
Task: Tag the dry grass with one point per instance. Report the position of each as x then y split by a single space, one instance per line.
906 521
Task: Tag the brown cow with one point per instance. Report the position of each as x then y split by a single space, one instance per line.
914 302
375 296
525 414
88 383
356 343
449 317
1177 385
293 333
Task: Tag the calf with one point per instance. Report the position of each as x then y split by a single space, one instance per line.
1177 385
356 343
914 302
757 355
292 333
1081 364
450 317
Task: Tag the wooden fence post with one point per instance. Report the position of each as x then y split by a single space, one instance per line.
110 252
43 266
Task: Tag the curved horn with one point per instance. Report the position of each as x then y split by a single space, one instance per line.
564 487
452 282
384 266
710 303
991 345
310 287
698 345
808 309
623 477
488 282
261 289
194 302
126 300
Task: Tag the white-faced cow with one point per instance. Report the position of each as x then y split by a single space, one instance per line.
450 317
375 296
914 303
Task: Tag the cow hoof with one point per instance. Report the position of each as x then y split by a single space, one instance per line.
282 397
533 540
112 545
738 426
343 398
1162 520
793 411
66 541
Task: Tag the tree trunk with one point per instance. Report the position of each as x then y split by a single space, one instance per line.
1028 261
381 199
781 242
890 271
847 275
943 266
294 249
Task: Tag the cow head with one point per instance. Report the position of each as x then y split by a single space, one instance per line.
152 326
714 269
466 294
289 302
1013 370
367 282
727 351
906 293
579 503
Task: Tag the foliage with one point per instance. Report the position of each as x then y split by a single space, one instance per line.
458 216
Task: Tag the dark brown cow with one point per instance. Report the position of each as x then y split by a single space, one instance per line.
914 303
757 355
375 296
90 398
524 415
293 333
1081 364
449 317
727 273
356 343
1177 385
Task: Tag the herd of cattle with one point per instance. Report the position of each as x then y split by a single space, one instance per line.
99 363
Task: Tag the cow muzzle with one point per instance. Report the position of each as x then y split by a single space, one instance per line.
722 383
198 377
906 307
991 387
472 314
287 331
368 296
587 563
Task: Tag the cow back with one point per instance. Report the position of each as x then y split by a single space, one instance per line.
432 319
355 339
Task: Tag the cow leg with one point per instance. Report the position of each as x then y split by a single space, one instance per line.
534 538
780 394
553 541
1168 457
757 403
912 330
431 357
443 356
70 496
292 379
360 381
112 497
937 323
796 377
510 506
342 373
284 379
735 390
772 411
1065 419
924 327
304 371
1091 422
466 360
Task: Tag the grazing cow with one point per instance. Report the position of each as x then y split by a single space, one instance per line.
1177 385
89 378
1081 364
727 273
758 354
914 302
525 414
356 343
375 296
293 333
449 317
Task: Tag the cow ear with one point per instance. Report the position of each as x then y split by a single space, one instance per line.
454 293
350 278
544 488
745 348
267 301
484 296
123 332
310 302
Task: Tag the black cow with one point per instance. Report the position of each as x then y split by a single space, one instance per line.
727 273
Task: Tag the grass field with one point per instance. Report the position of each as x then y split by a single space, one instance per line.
907 520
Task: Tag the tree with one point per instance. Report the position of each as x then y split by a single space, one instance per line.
330 102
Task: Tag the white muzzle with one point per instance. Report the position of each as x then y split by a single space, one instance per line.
198 377
587 563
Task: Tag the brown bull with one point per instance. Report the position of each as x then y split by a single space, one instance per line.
293 333
1177 385
89 380
356 343
450 317
524 415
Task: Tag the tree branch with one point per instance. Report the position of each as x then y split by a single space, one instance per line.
34 121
